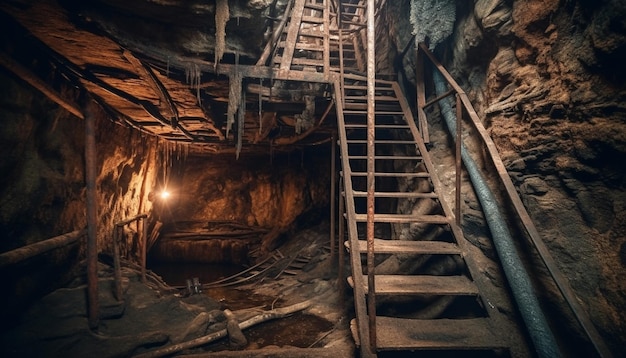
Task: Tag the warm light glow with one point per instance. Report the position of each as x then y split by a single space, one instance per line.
165 194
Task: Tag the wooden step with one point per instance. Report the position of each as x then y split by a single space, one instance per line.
378 126
379 141
395 175
305 46
312 33
437 334
349 109
405 218
377 98
421 285
386 157
312 20
301 61
379 194
411 247
320 7
354 5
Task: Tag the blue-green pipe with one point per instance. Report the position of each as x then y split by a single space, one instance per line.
519 281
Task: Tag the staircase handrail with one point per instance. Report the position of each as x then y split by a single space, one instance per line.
519 208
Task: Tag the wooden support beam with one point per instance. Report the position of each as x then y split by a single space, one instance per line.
38 248
92 216
167 105
30 78
292 34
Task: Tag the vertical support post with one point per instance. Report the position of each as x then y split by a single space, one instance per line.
144 248
326 54
116 263
92 213
371 167
421 95
459 120
333 196
341 235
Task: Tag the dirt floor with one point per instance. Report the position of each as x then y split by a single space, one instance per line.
154 317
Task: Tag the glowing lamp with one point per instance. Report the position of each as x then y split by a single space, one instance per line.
165 194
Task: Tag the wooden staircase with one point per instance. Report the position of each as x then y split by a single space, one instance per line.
304 43
407 281
423 291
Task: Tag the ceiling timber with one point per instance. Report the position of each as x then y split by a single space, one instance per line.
151 65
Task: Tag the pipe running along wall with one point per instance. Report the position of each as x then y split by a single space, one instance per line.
519 281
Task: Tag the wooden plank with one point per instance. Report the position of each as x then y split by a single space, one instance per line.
40 247
423 285
326 54
386 157
378 126
378 194
412 247
390 174
292 34
459 334
405 218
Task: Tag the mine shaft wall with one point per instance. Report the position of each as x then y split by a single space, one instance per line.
43 186
546 78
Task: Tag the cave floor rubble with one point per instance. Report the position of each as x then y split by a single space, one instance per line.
153 315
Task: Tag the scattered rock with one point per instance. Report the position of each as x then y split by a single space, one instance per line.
534 186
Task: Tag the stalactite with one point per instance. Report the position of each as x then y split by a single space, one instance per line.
193 75
234 98
241 119
221 18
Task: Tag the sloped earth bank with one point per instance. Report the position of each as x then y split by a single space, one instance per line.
156 315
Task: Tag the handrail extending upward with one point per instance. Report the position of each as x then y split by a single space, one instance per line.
520 210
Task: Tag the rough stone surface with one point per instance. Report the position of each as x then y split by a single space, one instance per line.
545 78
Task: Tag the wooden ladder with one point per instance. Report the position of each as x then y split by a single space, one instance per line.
420 304
304 44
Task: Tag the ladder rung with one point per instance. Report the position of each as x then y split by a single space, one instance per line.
312 19
354 5
422 285
378 141
350 110
378 126
378 194
301 61
379 174
311 33
385 157
304 46
411 247
314 6
405 218
377 98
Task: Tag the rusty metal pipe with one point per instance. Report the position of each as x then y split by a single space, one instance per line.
371 136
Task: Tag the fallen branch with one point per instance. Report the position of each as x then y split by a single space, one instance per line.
267 316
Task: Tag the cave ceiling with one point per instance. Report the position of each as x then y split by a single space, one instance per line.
152 66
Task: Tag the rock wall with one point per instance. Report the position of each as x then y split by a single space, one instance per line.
43 185
547 79
264 192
